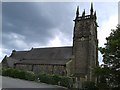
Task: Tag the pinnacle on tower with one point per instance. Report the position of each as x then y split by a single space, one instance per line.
91 10
83 14
77 12
95 15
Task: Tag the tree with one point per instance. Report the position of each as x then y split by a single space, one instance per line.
111 57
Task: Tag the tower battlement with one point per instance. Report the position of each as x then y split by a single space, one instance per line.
85 17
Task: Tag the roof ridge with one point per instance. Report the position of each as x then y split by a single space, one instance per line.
53 47
23 51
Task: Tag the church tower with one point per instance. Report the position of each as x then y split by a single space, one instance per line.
85 45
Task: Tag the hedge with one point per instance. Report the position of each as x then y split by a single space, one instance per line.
16 73
50 79
29 75
89 85
64 81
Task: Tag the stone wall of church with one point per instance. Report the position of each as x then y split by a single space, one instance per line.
24 67
47 69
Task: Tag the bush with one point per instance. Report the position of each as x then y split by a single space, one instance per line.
4 72
102 85
29 75
46 78
42 77
7 72
65 81
54 79
88 85
15 73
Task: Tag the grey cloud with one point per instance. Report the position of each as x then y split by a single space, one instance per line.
37 22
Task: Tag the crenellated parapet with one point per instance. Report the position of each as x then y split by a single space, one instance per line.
85 17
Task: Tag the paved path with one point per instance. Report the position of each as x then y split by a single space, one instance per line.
8 82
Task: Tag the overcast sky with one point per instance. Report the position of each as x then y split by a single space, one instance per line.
27 24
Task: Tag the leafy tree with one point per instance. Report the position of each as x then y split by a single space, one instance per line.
111 58
102 74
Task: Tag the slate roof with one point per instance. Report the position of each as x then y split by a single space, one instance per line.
11 61
18 54
50 55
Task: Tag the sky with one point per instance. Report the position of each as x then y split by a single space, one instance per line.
50 24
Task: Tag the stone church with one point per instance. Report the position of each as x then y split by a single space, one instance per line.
76 61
